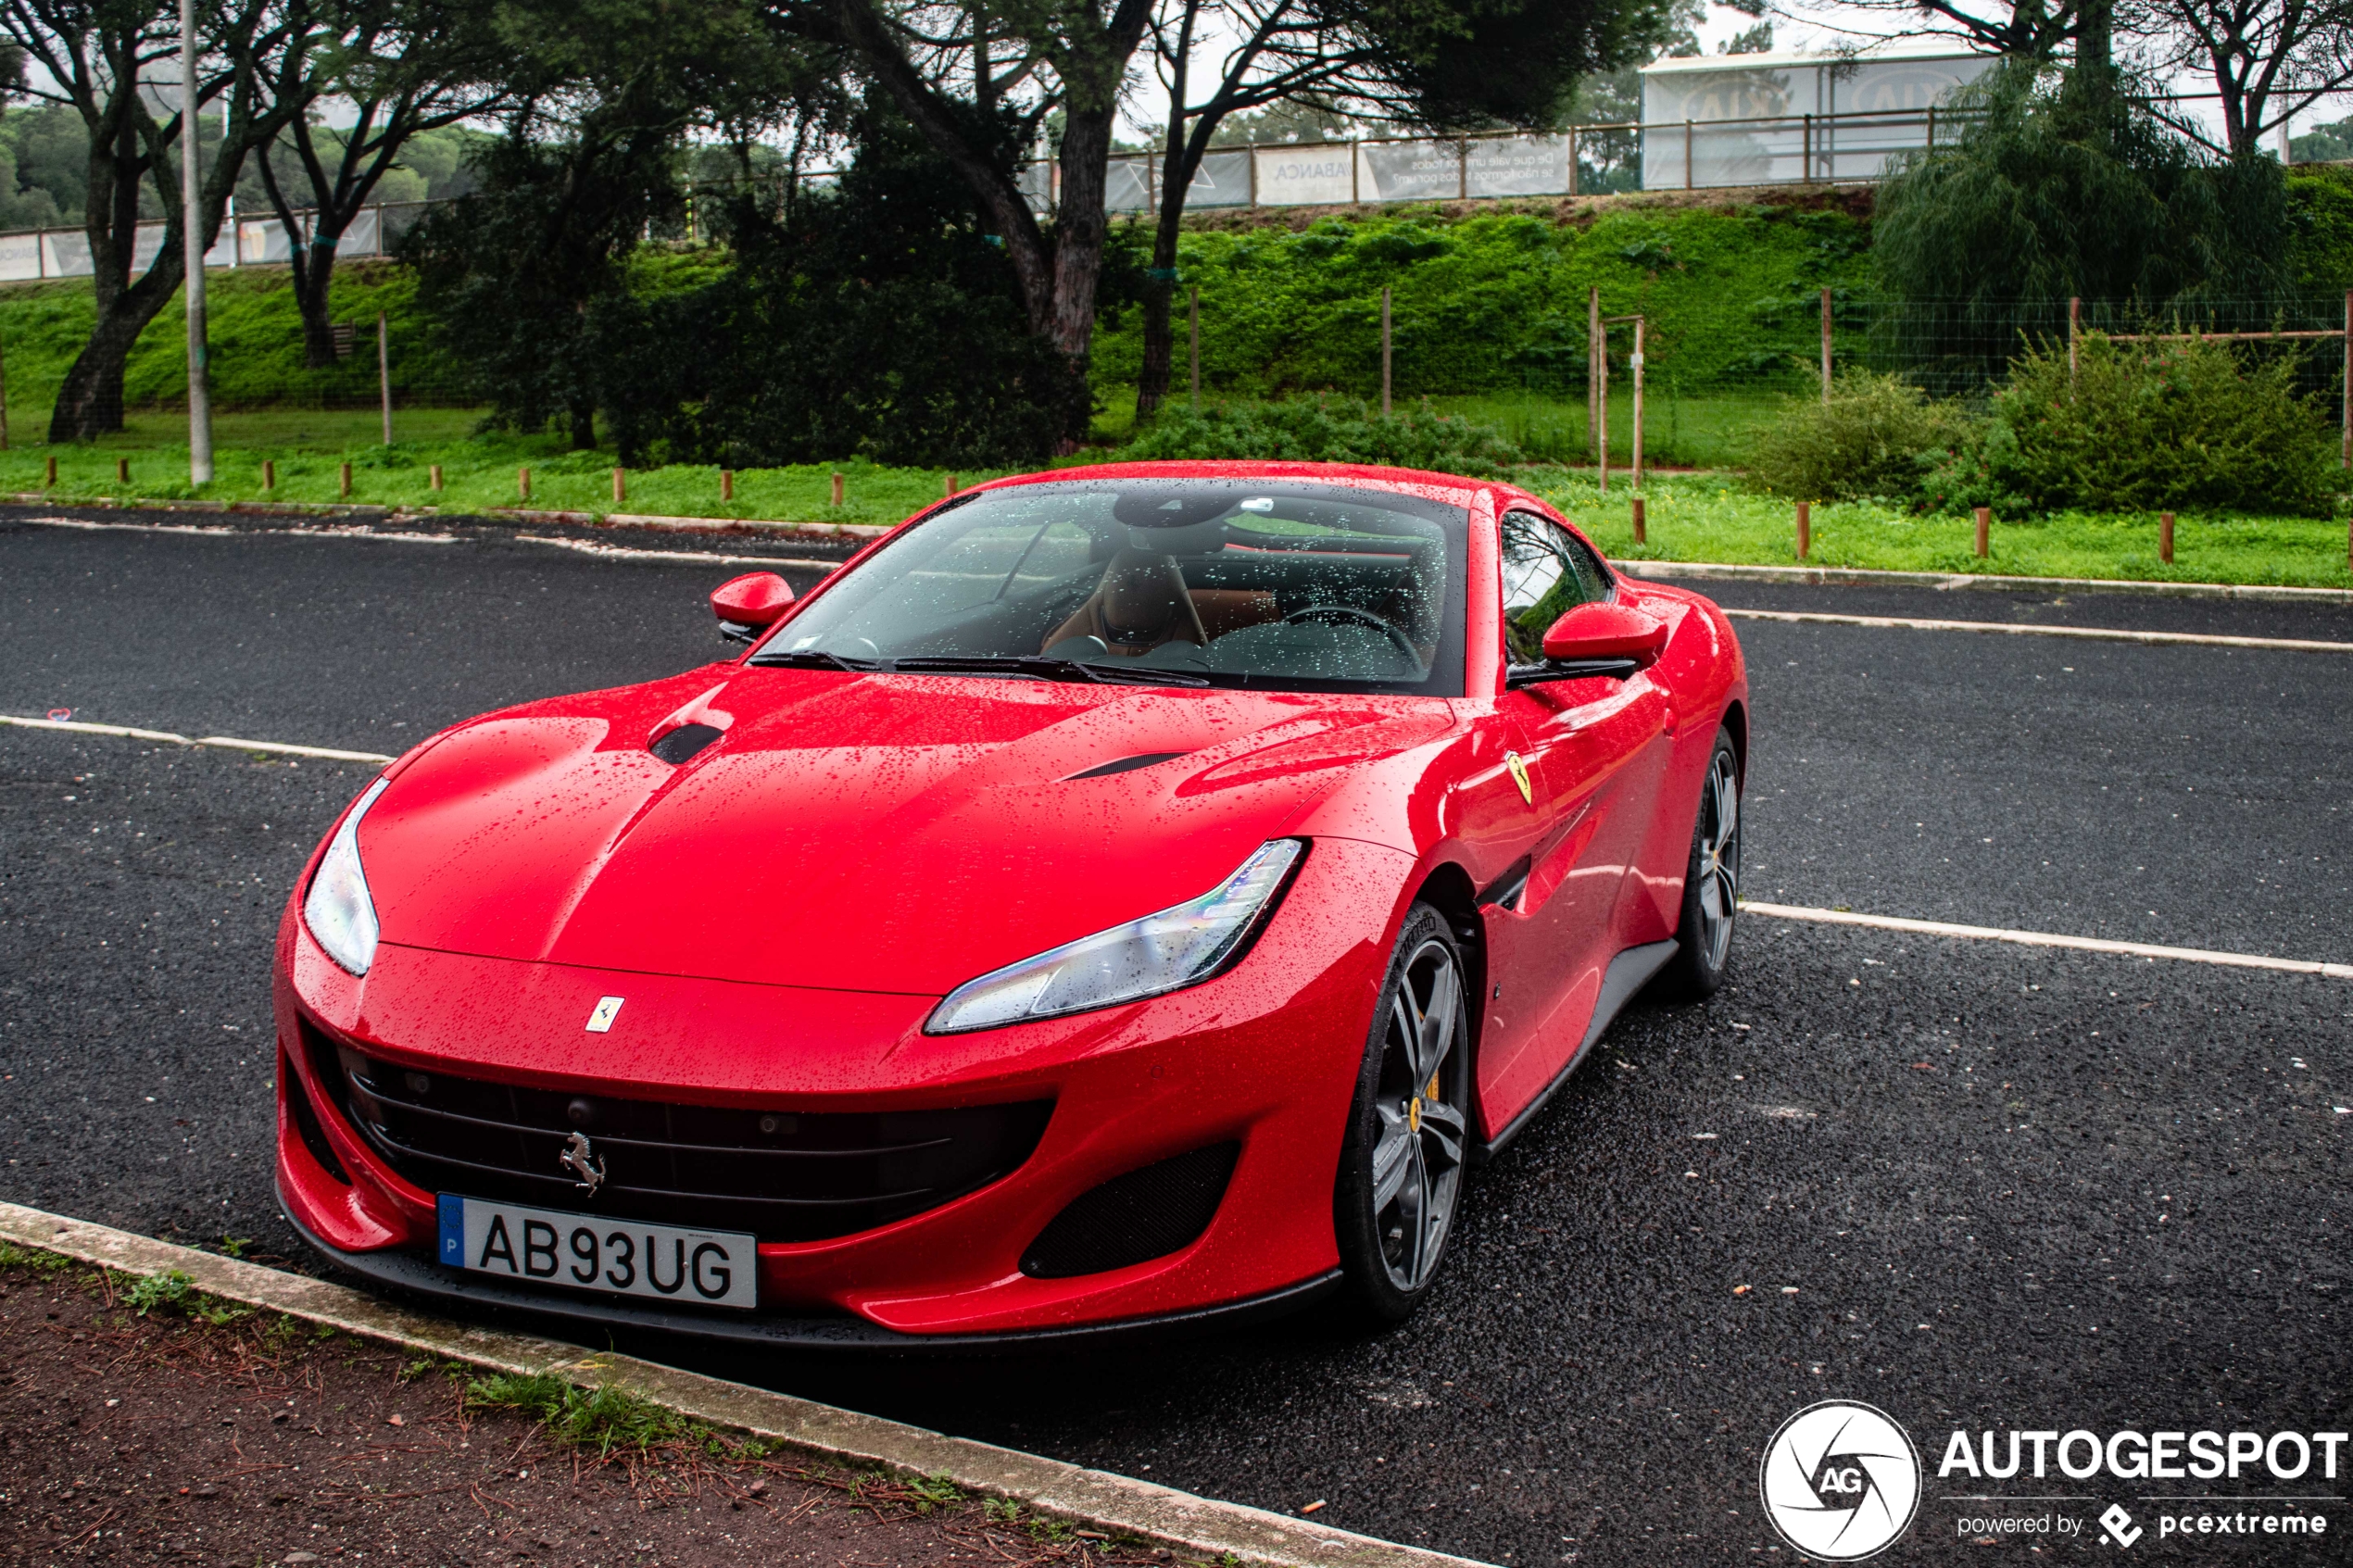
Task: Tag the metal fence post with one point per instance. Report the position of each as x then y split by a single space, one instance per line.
2349 385
1593 368
1192 312
2074 330
384 368
1637 362
1687 155
1462 168
1572 160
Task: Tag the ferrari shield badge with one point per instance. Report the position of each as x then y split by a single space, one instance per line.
1519 776
608 1007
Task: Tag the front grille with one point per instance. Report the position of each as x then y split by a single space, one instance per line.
782 1175
1144 1214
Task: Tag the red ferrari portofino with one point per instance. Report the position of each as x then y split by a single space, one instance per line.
1119 896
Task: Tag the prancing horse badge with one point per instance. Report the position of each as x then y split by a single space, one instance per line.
1519 776
608 1008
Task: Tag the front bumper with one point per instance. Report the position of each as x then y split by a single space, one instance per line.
1266 1055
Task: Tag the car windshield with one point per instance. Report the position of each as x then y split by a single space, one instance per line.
1276 585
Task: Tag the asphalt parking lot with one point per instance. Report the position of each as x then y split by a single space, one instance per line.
1980 1187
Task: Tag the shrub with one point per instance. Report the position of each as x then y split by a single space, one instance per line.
1319 429
1874 437
2169 425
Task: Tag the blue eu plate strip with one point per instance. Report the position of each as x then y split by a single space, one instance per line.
453 1230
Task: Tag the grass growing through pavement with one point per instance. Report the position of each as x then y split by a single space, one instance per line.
1711 517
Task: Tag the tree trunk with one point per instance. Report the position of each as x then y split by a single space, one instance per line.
1080 228
581 417
314 267
1160 283
90 400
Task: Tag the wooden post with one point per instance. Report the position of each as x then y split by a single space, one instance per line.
1593 368
837 489
1931 130
726 484
522 482
269 473
1985 532
1192 312
1642 531
1687 155
433 476
2164 538
1826 348
383 358
1637 363
49 475
4 404
948 491
1384 351
2348 378
1572 160
2074 330
620 486
1601 400
343 480
122 470
1804 529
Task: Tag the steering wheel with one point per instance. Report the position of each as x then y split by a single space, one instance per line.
1350 613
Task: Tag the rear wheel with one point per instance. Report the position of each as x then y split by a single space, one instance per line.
1711 883
1400 1166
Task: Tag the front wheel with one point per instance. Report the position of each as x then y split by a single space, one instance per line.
1401 1163
1711 883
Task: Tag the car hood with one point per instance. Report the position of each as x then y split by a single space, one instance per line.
869 832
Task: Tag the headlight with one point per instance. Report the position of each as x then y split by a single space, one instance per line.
337 909
1176 948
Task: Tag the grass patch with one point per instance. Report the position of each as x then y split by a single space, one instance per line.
478 474
1713 517
606 1419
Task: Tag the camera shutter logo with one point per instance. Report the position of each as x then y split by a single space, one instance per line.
1841 1481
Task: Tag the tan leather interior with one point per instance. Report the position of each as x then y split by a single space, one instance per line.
1142 603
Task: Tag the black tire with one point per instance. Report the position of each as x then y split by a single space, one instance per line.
1402 1160
1711 884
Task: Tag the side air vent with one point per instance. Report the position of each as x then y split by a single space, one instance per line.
306 1121
683 742
1144 1214
1124 764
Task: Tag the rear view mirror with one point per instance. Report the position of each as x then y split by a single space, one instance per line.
748 605
1595 639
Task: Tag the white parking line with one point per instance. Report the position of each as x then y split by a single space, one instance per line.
225 743
2096 634
1773 911
2048 939
698 557
218 530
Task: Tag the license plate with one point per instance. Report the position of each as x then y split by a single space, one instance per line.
619 1257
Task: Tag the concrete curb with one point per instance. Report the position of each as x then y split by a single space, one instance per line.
1095 1498
1858 577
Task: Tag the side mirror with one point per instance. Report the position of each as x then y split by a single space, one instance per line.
748 605
1596 639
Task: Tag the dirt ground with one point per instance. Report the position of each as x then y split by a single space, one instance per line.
167 1436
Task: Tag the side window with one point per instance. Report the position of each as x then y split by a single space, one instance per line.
1547 572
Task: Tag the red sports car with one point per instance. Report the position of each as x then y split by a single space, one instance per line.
1119 896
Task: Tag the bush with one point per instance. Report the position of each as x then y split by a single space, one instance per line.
1875 437
2163 425
1336 430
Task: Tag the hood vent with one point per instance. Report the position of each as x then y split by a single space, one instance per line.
685 742
1126 764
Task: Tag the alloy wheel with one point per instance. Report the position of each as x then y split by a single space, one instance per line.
1417 1156
1719 858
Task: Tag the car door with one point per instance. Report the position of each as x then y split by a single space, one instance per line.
1588 747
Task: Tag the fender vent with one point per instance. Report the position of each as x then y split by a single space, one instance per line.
1125 765
1144 1214
683 742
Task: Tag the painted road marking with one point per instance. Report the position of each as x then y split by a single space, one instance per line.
2048 939
584 546
225 743
2096 634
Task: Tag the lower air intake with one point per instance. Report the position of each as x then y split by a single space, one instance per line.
1144 1214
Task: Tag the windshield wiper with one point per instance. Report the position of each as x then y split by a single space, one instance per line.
817 659
1049 669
